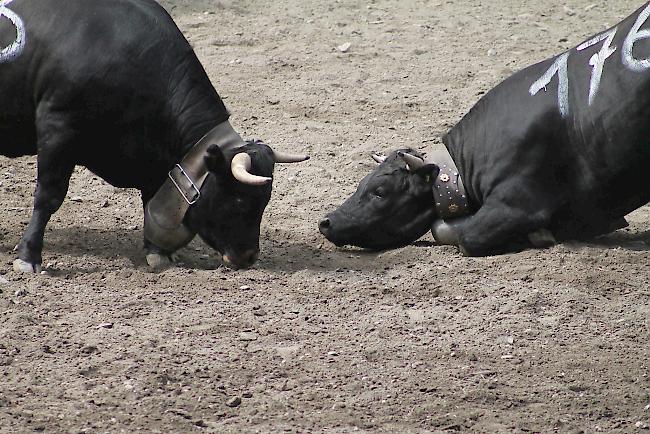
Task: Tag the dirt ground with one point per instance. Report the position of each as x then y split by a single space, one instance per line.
316 338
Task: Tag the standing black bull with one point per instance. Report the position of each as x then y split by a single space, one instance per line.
114 86
559 150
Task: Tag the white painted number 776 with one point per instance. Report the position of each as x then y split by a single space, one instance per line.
13 50
597 62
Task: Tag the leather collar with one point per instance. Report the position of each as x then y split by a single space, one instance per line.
164 213
448 190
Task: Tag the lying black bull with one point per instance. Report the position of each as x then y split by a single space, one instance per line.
113 85
560 150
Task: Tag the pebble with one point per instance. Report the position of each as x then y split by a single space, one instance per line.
343 48
570 12
247 336
76 199
3 281
247 395
21 292
235 401
641 425
252 349
244 287
288 353
105 325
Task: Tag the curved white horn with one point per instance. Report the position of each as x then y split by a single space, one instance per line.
378 158
240 166
282 157
413 162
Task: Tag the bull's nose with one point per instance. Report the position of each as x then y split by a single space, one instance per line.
324 225
243 260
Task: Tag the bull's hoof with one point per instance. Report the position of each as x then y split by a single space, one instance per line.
542 238
158 261
463 250
26 267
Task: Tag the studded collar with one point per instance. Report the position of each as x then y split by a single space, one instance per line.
449 192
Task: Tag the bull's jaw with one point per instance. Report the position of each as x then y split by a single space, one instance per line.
404 234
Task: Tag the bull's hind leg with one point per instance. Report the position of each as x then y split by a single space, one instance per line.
500 228
55 165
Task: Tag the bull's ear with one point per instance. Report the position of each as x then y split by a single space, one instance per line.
429 171
215 160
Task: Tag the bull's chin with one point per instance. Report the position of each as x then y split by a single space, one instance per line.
393 241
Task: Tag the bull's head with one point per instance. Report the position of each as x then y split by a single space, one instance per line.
393 205
228 213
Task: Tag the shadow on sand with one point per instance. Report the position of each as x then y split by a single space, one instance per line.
279 252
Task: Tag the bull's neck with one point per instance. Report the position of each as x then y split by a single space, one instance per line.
454 143
194 104
165 212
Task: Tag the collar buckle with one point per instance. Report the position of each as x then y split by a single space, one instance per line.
184 184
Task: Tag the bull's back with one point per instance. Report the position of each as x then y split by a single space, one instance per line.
102 62
582 130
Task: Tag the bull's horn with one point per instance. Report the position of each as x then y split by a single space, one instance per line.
378 158
282 157
413 162
240 166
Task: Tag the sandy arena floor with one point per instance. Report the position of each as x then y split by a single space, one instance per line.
316 338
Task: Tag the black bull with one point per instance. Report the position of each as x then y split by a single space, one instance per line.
557 151
114 86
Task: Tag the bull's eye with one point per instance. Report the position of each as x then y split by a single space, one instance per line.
379 192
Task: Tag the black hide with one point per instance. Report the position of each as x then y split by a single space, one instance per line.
563 145
114 86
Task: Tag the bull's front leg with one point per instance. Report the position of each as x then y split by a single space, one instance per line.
500 228
55 166
157 258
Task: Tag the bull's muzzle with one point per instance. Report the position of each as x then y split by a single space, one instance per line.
242 260
325 228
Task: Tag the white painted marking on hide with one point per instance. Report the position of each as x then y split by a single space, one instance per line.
558 67
636 34
597 61
15 49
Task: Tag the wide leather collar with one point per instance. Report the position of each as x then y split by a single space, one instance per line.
164 213
449 192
